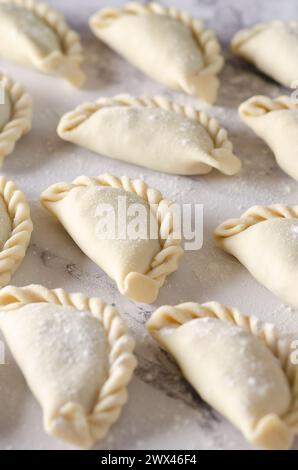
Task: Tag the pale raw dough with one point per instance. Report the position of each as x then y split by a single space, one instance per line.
113 220
230 368
5 223
5 108
182 140
77 212
24 37
265 241
33 34
276 122
15 228
63 355
160 41
272 48
76 357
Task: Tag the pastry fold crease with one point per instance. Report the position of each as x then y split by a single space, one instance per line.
239 365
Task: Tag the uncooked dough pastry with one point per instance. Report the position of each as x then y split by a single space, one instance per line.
123 226
182 139
76 356
15 114
272 47
167 44
276 122
237 364
15 229
32 33
265 240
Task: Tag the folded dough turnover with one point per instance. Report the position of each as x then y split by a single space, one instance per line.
276 122
272 47
265 240
182 140
15 229
167 44
32 33
75 355
99 214
232 362
15 114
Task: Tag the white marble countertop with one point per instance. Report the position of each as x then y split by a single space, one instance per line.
163 411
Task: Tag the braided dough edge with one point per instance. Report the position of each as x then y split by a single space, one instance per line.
246 34
223 147
205 38
252 216
113 394
21 116
166 261
260 105
16 245
173 317
66 63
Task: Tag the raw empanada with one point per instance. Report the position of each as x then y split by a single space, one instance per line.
272 48
76 357
34 34
15 229
276 122
167 44
265 240
142 251
182 140
237 364
15 114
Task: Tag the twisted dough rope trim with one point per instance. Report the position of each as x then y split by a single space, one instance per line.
82 113
246 34
253 216
173 317
72 55
166 261
20 119
261 105
205 38
113 394
15 247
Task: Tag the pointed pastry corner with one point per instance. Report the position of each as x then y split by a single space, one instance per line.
254 107
74 74
226 161
203 86
71 425
141 288
272 433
